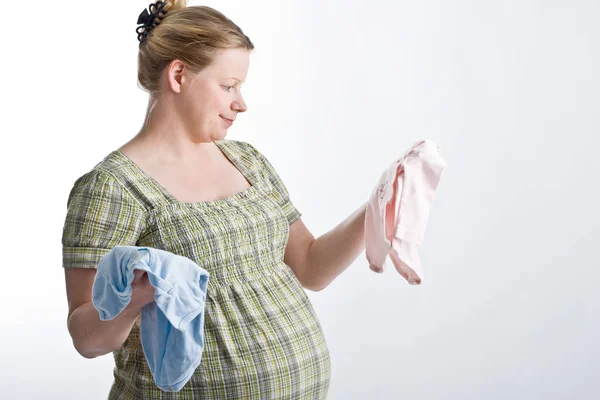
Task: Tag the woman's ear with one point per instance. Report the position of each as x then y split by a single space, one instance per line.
176 74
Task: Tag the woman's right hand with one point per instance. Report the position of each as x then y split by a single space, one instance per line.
93 337
142 291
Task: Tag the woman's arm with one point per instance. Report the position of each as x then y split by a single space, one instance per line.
317 262
91 336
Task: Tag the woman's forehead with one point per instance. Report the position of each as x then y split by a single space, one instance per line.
231 63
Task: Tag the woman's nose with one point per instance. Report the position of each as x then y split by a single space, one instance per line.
239 105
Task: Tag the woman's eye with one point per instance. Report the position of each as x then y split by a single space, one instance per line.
228 88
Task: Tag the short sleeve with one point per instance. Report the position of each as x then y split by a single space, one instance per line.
280 192
101 214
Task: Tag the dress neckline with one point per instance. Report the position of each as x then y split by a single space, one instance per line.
226 200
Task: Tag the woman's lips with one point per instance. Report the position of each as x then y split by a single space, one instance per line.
228 121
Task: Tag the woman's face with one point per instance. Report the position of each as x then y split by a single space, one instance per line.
210 100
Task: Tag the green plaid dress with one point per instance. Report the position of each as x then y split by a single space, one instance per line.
262 337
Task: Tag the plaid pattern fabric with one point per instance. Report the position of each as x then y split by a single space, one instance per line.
263 339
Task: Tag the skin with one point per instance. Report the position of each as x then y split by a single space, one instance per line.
189 113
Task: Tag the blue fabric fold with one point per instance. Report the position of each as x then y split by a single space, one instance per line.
172 326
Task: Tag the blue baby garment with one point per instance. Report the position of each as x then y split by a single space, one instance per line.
172 326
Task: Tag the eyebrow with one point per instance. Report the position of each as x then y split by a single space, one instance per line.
235 79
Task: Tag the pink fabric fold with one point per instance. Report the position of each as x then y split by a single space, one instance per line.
398 210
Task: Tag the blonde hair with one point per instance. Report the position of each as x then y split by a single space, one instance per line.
190 34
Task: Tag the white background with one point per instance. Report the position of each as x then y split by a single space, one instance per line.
337 90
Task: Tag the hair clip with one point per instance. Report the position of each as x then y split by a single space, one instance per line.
147 19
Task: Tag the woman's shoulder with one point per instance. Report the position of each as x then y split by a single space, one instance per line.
239 147
111 174
111 167
245 152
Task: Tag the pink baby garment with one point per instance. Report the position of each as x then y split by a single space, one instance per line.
398 210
